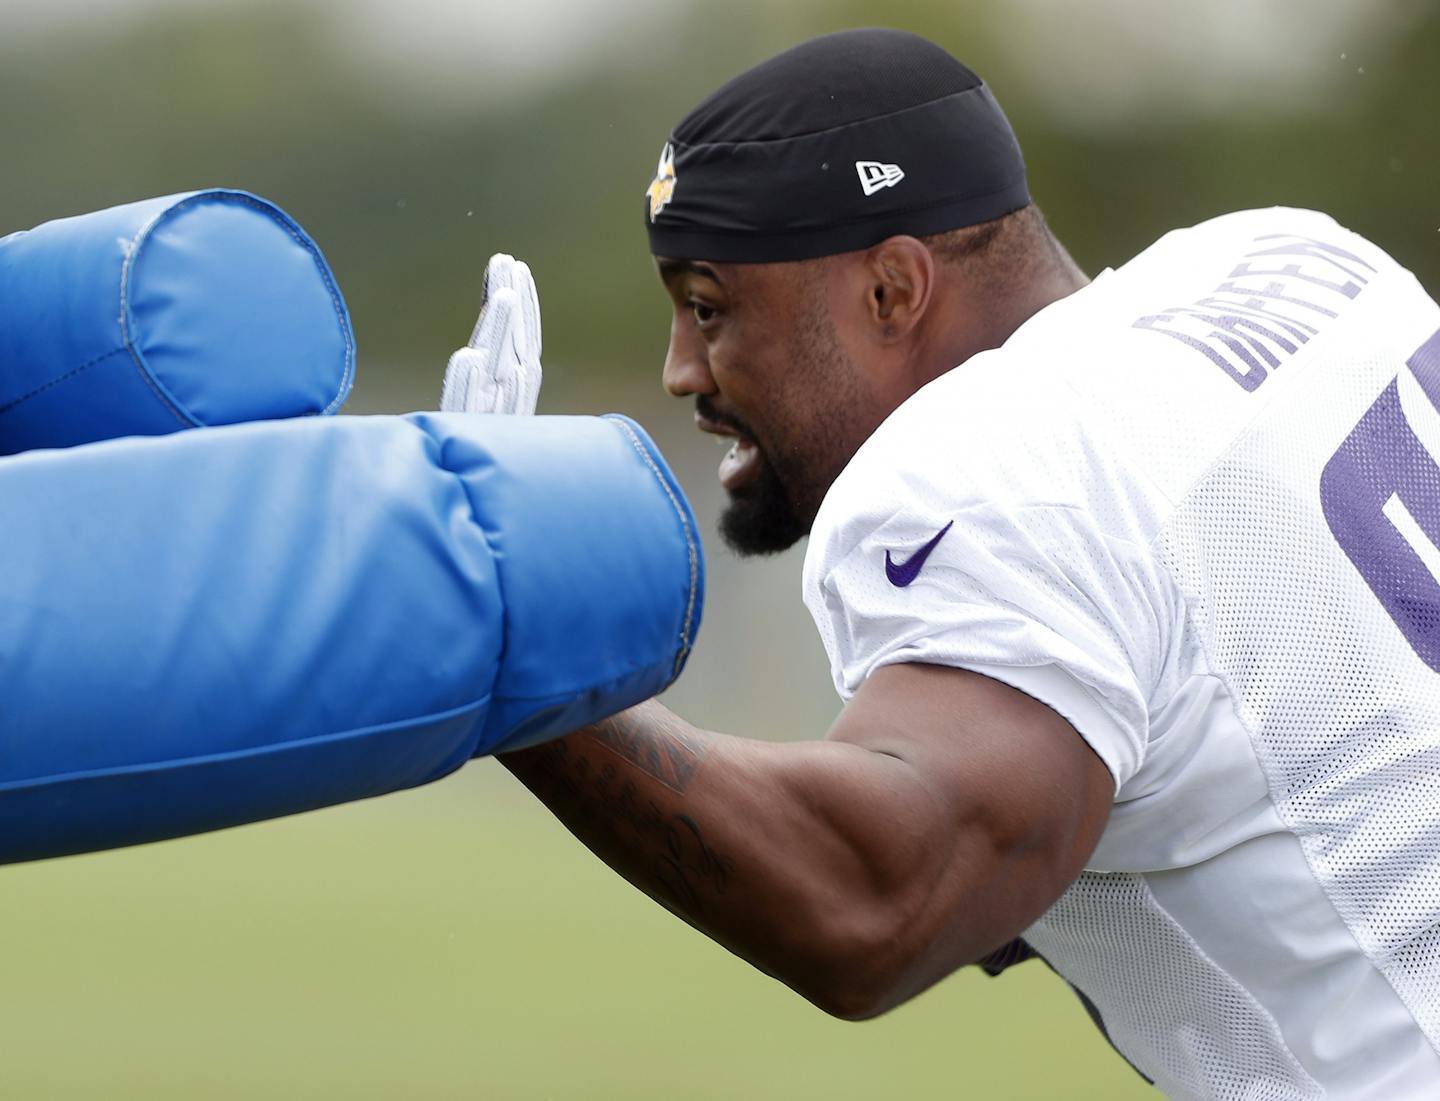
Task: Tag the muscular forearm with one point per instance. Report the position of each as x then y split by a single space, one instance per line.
771 849
624 788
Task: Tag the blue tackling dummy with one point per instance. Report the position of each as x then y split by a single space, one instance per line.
207 308
210 628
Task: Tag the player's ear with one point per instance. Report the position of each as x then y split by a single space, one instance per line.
901 275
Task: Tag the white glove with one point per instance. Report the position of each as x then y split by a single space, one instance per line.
499 370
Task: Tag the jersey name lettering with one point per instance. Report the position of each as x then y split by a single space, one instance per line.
1268 307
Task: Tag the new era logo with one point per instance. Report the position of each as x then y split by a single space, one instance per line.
874 175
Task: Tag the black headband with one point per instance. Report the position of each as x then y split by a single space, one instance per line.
940 164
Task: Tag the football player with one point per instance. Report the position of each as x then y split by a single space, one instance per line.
1130 585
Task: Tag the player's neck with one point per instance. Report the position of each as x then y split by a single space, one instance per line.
980 323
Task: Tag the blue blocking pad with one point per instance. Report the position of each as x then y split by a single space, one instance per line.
572 648
206 308
211 628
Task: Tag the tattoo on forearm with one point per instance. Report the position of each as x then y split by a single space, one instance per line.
672 757
689 861
599 800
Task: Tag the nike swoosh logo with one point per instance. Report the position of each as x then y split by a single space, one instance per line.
902 573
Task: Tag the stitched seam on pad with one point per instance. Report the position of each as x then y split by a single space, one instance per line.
495 560
285 222
620 677
57 381
464 484
131 251
685 635
249 751
277 217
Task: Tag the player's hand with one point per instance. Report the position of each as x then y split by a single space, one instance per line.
499 370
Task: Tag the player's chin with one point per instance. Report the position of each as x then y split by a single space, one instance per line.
759 520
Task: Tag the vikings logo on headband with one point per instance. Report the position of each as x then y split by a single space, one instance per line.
662 187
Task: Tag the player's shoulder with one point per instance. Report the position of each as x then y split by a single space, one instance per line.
1193 253
1050 417
1223 230
997 432
1245 224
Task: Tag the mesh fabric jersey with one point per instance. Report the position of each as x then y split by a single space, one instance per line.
1194 509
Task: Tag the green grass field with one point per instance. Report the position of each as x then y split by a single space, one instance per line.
455 942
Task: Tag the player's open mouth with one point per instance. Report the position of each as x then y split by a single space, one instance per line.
741 462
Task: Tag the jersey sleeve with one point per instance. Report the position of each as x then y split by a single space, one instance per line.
1023 558
1034 596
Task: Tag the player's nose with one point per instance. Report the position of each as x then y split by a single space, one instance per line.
687 369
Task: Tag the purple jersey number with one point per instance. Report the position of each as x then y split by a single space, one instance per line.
1381 497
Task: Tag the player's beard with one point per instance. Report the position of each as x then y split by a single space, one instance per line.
761 519
777 508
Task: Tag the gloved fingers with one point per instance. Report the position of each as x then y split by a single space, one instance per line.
526 342
508 389
494 335
478 375
524 284
500 272
457 382
527 387
501 372
499 275
469 386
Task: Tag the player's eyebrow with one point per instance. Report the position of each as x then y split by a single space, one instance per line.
673 269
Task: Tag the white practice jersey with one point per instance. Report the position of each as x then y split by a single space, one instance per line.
1195 508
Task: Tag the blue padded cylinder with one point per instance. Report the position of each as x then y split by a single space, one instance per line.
217 627
207 308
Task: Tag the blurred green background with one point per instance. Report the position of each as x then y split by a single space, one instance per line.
454 942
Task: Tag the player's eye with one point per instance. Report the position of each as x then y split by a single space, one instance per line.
703 313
